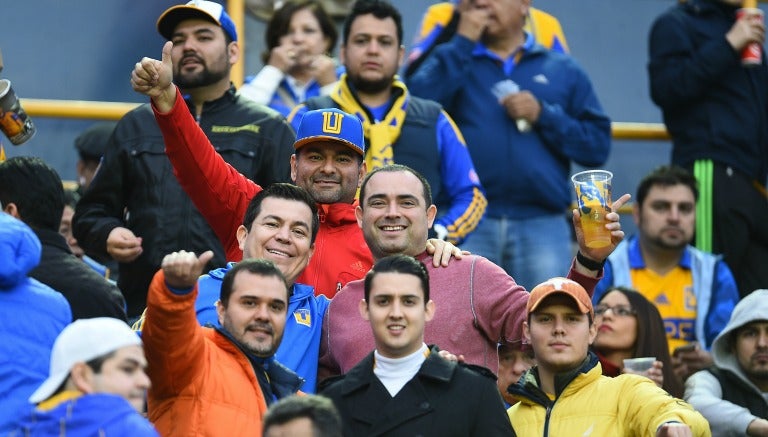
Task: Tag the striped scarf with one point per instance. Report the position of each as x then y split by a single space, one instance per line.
380 135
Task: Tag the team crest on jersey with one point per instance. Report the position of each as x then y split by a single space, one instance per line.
303 317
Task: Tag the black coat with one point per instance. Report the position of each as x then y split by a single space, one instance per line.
135 186
89 294
443 399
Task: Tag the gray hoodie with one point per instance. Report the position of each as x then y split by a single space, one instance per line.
702 389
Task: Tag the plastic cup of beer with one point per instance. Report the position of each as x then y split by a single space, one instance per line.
593 195
638 366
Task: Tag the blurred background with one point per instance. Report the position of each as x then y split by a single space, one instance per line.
85 50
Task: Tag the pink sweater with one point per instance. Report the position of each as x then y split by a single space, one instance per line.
477 306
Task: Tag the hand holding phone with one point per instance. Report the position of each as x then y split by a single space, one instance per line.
686 348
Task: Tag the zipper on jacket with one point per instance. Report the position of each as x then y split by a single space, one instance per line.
546 419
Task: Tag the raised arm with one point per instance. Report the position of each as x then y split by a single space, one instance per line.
218 191
597 255
680 71
173 340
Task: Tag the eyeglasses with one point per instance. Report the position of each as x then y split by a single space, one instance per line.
618 310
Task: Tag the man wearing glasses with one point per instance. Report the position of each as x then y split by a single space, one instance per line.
694 291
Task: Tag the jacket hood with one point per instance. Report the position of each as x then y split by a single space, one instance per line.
85 415
751 308
19 251
220 272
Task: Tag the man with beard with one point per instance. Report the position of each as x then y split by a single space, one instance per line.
527 112
219 381
694 291
733 394
134 210
400 128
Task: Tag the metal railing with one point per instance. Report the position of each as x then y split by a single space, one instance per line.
82 109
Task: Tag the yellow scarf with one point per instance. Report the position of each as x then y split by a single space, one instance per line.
380 135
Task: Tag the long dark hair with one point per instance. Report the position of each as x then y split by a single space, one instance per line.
651 340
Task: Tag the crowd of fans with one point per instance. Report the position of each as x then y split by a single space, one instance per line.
289 254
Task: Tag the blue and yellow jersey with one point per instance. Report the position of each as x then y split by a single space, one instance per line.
437 26
673 296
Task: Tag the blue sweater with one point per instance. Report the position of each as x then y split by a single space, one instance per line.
32 317
525 174
300 347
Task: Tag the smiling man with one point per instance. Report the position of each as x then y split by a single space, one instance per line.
567 376
480 304
694 291
221 380
134 210
399 127
733 394
404 387
328 163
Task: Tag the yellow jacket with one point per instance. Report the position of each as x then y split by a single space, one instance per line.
590 404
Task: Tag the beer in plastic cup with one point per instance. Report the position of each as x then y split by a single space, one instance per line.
14 122
638 365
593 194
752 54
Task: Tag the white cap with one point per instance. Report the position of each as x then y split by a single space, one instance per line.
82 341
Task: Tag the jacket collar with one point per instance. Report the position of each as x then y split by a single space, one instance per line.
224 101
529 385
52 238
284 382
434 368
337 214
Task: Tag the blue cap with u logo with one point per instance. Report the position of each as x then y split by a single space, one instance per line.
331 124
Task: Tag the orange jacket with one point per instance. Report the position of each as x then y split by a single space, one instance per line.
202 384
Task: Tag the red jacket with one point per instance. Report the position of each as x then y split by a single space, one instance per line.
202 384
222 195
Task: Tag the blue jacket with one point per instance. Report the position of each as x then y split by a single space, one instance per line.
713 285
525 174
714 107
87 416
300 347
32 316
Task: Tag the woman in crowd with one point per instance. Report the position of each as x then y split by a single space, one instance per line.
297 62
629 326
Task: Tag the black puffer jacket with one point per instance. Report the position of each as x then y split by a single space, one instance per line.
135 186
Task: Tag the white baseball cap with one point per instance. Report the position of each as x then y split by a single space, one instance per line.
82 341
